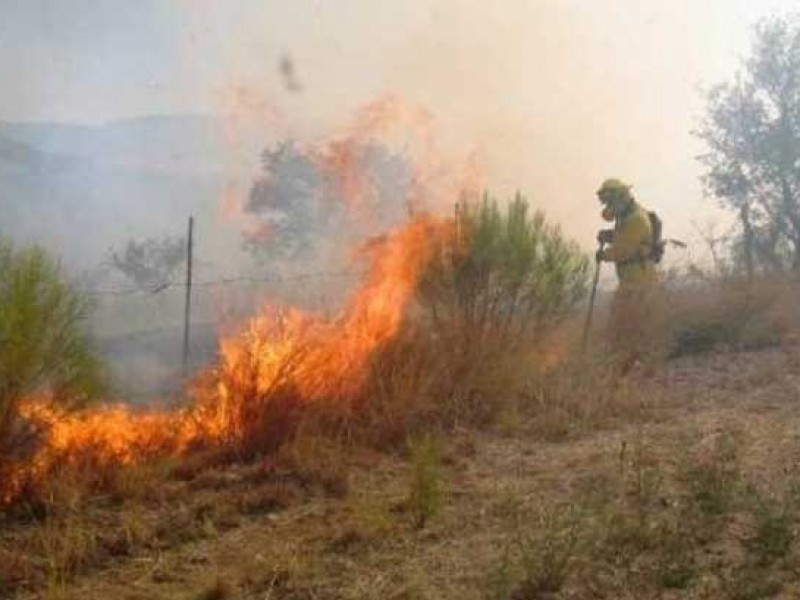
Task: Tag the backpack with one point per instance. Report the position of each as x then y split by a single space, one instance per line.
658 244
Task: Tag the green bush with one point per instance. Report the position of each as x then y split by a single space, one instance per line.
773 532
714 479
426 493
505 275
539 557
43 346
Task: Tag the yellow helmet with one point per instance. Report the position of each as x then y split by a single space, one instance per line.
614 189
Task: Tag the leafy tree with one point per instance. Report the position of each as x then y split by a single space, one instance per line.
304 196
506 274
752 134
287 196
44 350
151 263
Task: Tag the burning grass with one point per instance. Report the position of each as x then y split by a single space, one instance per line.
602 504
283 365
400 356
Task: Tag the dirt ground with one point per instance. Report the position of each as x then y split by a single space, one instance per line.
364 542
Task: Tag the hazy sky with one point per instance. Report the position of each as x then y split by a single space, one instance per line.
556 94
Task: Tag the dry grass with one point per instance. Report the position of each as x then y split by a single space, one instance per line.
731 315
619 487
693 503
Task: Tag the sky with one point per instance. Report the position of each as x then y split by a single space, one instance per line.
554 95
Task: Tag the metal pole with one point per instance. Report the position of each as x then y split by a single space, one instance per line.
588 324
188 306
458 225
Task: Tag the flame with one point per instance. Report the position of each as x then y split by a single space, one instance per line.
282 360
406 132
232 209
330 357
393 123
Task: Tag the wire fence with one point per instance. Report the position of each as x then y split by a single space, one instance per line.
139 332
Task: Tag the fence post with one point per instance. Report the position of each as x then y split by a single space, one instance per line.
188 305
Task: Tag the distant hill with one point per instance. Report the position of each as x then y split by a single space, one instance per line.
182 142
80 189
14 153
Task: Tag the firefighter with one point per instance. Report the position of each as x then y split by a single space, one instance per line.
630 243
631 246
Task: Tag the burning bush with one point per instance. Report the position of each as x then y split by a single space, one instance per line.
496 288
44 351
425 339
288 361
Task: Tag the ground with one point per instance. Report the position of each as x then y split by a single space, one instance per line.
688 493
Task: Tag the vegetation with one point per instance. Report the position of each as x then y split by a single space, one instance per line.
459 447
305 197
680 503
752 134
729 314
508 276
44 349
151 263
540 554
425 498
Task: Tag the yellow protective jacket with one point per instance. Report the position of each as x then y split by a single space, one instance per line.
632 246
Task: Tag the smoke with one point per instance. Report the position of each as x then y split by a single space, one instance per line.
368 112
553 96
313 201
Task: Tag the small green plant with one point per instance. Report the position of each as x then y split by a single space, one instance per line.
630 524
676 566
219 590
68 545
425 498
773 533
44 349
539 557
643 480
750 583
713 478
501 577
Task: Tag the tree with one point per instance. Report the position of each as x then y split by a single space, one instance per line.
288 199
151 263
342 190
752 134
44 349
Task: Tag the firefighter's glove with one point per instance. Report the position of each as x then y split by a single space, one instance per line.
605 236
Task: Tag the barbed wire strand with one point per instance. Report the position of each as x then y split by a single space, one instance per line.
223 281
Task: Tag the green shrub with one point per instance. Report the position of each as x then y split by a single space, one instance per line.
714 479
426 478
773 533
43 346
506 274
540 556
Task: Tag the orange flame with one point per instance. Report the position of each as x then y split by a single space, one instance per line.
311 359
283 360
390 121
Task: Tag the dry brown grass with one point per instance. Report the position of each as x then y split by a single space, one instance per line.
654 502
732 315
658 500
